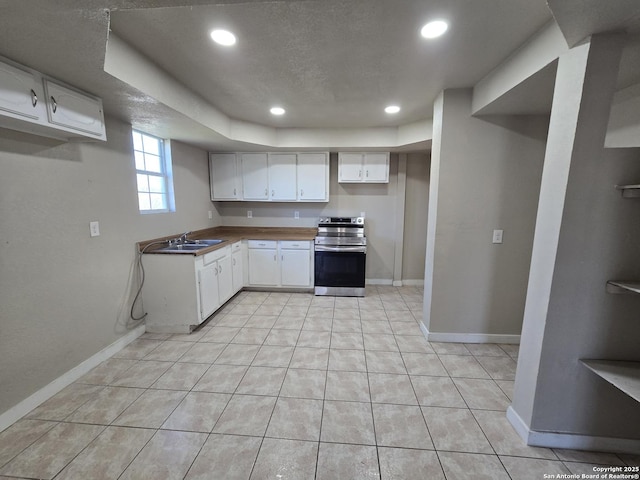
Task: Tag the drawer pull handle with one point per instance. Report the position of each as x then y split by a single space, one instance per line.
54 106
34 98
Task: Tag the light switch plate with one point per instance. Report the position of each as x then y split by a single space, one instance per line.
249 214
497 236
296 214
94 229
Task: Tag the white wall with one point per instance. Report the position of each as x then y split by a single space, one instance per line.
485 175
63 295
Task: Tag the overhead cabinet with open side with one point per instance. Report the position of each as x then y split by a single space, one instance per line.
363 167
33 103
270 177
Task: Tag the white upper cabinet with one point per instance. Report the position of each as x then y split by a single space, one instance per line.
255 177
73 110
272 177
20 93
42 106
363 167
313 177
282 176
223 170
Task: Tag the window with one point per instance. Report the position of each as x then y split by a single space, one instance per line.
153 174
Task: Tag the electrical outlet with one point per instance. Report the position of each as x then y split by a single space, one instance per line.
497 236
296 214
249 214
210 214
94 229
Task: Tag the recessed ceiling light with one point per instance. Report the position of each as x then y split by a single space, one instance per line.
434 29
392 109
277 111
223 37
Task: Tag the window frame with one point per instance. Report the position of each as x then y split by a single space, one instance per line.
166 172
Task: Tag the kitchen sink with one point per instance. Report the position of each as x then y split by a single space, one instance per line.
190 246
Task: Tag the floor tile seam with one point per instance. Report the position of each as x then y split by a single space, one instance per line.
324 396
54 424
78 453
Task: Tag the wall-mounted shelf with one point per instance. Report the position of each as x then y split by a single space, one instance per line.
619 286
629 191
622 375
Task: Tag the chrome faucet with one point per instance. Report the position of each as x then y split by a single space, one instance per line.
183 238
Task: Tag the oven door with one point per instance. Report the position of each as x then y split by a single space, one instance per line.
340 270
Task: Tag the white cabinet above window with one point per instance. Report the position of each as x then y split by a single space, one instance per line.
363 167
72 110
32 103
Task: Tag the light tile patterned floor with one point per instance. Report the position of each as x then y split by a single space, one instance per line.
291 386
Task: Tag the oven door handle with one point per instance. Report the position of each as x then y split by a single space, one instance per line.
341 248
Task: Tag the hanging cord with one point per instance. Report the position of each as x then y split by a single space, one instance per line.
141 270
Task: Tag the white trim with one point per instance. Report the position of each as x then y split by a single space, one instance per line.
378 281
413 283
18 411
469 337
569 440
397 283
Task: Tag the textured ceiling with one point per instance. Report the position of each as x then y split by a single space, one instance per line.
330 63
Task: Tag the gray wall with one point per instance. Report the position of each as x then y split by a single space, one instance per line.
415 216
379 202
485 175
63 295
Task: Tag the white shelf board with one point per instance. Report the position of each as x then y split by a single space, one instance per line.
622 375
619 286
629 191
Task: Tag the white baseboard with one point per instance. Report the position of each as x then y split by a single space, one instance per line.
18 411
395 283
570 440
469 337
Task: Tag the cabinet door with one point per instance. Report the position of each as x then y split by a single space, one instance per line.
225 279
282 176
350 167
313 177
71 109
376 167
208 290
255 179
19 91
263 266
295 266
236 267
223 170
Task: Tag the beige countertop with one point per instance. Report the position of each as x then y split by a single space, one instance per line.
231 235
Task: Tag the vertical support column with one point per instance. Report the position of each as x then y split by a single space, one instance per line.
585 84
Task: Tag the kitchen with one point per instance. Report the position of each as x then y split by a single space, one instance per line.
64 304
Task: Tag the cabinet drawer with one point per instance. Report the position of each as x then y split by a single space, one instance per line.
295 244
236 247
263 244
216 255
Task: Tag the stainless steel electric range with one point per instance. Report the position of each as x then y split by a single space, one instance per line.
340 257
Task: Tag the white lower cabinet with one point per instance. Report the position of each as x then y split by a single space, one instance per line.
280 264
182 291
295 264
263 263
